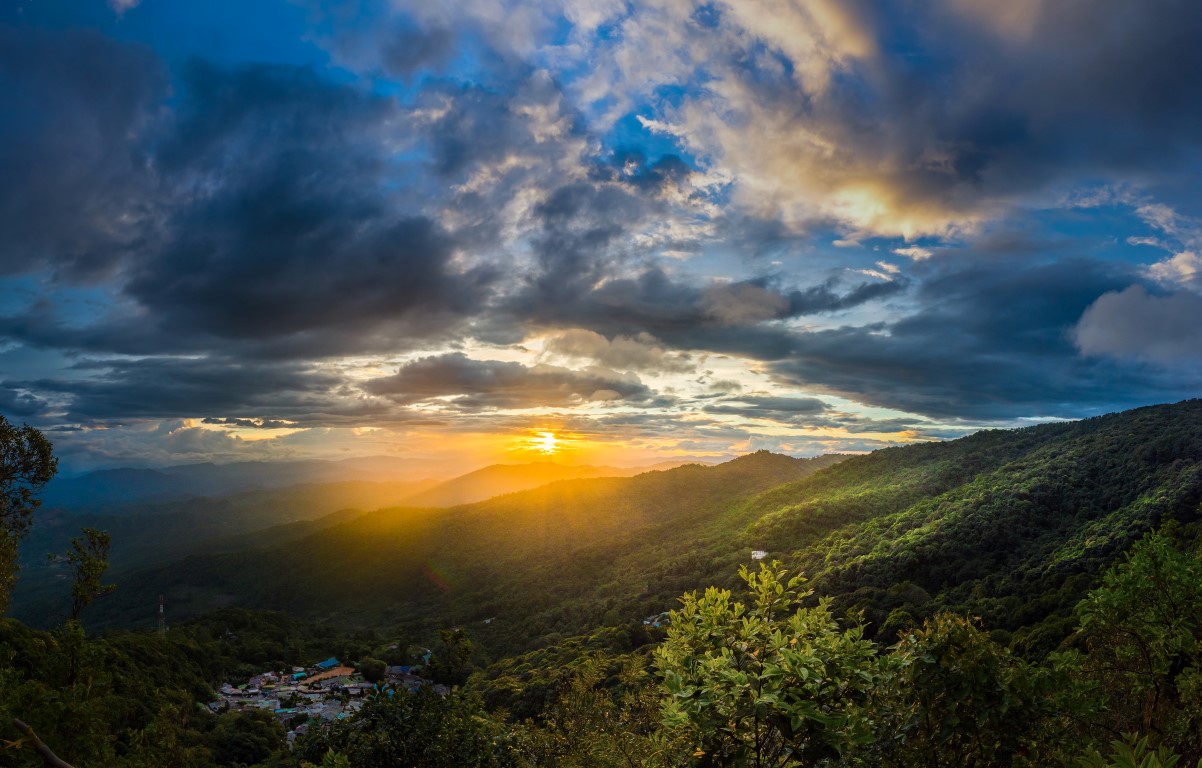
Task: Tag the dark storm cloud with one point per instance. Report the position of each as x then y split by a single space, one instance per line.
1011 98
407 49
1124 59
579 241
775 408
723 317
115 390
504 161
631 166
279 223
489 384
250 423
77 193
526 140
812 413
254 218
990 341
44 326
910 119
824 298
477 126
299 237
19 404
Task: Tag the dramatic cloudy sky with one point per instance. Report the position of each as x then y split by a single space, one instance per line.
269 229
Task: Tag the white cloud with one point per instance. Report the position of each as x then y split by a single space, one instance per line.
1162 217
1182 269
1155 242
913 252
875 273
1133 324
641 353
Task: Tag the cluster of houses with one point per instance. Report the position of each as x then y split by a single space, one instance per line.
658 620
325 692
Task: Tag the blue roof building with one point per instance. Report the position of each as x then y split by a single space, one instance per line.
329 663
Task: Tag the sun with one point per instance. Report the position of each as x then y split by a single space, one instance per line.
545 443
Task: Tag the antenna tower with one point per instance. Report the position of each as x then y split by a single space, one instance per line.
162 617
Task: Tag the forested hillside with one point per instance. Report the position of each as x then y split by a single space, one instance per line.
1009 526
159 516
406 565
1013 526
152 533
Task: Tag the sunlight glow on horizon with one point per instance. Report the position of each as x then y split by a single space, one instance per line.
546 443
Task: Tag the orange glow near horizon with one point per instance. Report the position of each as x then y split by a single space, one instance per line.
546 443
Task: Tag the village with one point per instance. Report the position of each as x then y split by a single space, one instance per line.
326 691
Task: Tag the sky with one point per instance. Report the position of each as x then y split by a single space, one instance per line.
649 228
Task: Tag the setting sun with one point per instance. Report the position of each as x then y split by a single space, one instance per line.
545 443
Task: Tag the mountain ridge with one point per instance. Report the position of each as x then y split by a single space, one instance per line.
974 524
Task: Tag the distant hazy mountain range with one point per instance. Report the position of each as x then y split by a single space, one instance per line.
105 488
301 519
510 478
160 515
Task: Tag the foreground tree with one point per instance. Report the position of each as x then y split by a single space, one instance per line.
605 715
452 657
27 463
765 684
89 557
1142 630
372 669
419 730
951 697
1130 752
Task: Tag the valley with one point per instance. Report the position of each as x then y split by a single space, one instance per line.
529 598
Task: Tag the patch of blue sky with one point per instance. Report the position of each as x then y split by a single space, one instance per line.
392 88
407 92
707 15
23 363
904 42
560 32
816 249
611 30
763 255
224 31
1102 232
569 72
853 87
628 133
765 64
672 95
880 247
715 262
476 63
18 294
57 14
79 306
